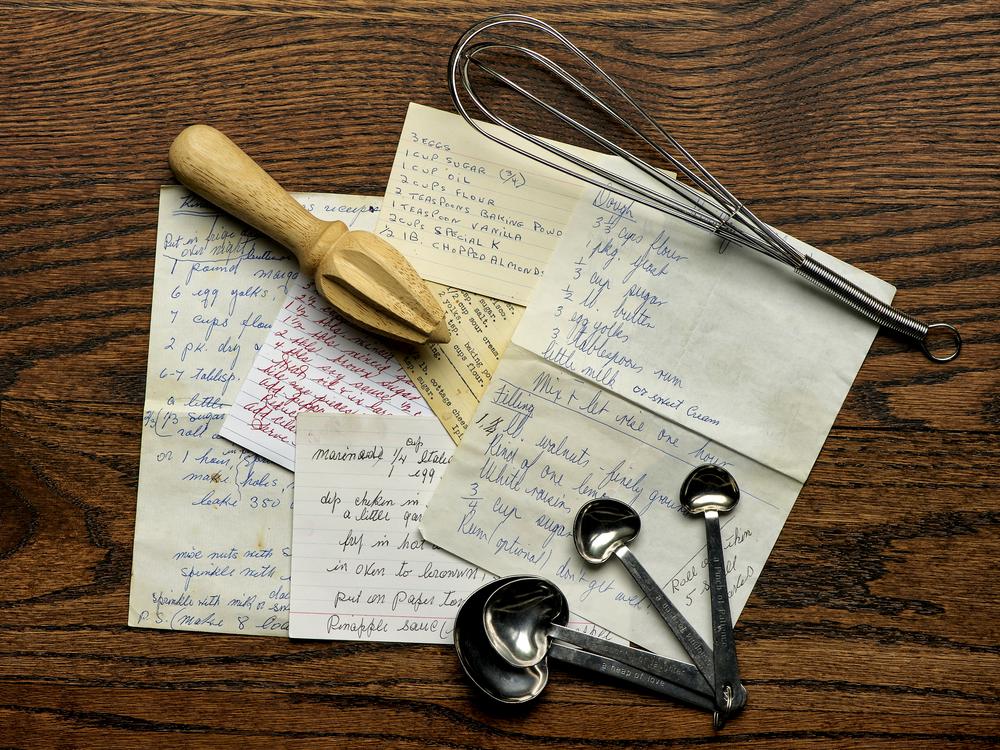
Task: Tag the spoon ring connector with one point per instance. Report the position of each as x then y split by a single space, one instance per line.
719 715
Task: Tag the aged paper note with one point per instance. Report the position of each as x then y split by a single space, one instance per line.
213 521
469 213
452 377
314 361
360 569
543 443
717 338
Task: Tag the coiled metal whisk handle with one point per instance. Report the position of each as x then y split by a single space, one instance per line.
878 311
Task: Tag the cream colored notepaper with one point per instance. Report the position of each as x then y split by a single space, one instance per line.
213 521
647 350
717 338
470 213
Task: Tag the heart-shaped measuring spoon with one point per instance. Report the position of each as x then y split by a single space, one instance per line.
524 617
487 670
506 683
711 490
603 528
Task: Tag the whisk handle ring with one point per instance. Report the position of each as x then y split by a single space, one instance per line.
951 332
881 313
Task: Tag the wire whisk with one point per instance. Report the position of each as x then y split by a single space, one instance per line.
708 204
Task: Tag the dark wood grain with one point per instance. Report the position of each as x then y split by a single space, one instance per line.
869 130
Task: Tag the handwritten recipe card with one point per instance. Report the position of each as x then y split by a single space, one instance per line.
647 350
314 361
715 337
470 213
360 568
213 521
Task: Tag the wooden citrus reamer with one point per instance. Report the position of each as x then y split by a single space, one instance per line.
365 278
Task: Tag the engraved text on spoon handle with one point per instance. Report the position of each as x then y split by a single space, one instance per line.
693 643
604 665
661 666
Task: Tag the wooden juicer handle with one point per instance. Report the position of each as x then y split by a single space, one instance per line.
362 276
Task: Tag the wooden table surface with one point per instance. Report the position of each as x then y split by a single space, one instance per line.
867 129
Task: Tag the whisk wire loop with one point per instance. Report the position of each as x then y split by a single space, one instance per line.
699 209
708 205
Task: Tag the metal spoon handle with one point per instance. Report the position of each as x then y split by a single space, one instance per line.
669 669
604 665
727 671
693 643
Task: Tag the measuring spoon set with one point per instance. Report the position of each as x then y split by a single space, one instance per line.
507 630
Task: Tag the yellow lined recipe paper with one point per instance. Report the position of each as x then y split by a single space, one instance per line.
452 377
